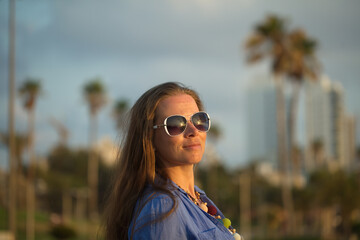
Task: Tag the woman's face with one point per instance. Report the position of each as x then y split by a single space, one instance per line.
186 148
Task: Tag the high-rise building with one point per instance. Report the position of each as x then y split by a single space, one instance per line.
263 132
262 122
330 139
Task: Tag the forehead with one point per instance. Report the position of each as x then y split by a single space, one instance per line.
182 104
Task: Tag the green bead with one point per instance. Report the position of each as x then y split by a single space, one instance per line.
226 222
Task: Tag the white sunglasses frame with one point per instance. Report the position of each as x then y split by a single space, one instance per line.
165 126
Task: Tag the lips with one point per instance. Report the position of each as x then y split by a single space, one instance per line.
192 146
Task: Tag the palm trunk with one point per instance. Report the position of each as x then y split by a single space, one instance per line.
30 191
11 121
283 154
93 167
294 102
20 177
66 206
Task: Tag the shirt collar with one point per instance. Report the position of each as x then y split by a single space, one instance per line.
183 191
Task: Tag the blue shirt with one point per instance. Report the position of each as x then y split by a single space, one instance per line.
188 221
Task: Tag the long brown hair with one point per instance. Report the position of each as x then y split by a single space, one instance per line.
137 164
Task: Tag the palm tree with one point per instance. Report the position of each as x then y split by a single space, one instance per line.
95 95
303 64
292 57
29 92
268 41
119 111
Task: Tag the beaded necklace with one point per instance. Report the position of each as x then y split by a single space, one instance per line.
211 210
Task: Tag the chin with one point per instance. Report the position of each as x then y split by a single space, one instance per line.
196 161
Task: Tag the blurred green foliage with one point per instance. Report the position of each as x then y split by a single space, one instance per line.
67 173
336 192
63 232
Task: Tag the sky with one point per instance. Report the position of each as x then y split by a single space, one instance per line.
134 45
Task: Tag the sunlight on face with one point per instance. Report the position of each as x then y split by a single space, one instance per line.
186 148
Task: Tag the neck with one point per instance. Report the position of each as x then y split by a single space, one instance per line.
183 176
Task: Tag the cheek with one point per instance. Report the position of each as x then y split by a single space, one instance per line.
163 145
203 138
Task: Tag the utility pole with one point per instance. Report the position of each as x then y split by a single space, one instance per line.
93 170
11 121
245 204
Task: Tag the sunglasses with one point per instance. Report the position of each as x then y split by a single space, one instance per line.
176 124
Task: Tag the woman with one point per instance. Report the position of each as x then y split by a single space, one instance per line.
154 196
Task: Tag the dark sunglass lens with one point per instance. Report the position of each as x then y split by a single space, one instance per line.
201 121
175 125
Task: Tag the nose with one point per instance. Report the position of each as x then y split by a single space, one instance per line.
190 130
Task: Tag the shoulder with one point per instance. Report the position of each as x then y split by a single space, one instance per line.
155 216
155 203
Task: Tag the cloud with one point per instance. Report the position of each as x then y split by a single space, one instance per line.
137 28
136 44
